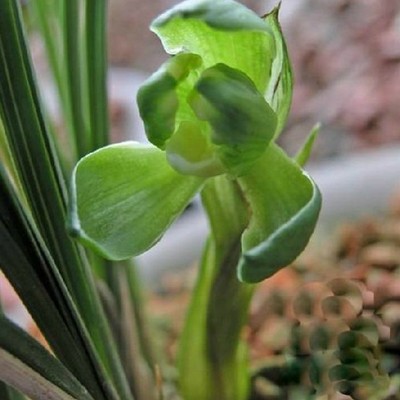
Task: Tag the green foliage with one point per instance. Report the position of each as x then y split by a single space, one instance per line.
213 110
38 366
48 270
212 114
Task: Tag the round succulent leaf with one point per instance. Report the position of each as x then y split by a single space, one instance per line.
356 357
348 340
350 291
159 98
367 327
343 372
220 31
242 122
320 338
124 197
285 205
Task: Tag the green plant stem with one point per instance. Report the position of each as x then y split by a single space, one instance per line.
213 358
226 316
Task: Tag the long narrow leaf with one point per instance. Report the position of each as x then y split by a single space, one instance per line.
6 391
47 16
70 25
42 182
90 61
29 268
29 367
9 393
94 65
29 141
139 374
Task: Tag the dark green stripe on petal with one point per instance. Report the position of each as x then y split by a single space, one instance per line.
242 122
285 205
158 98
125 196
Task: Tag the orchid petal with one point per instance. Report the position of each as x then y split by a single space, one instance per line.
242 122
285 205
220 31
125 196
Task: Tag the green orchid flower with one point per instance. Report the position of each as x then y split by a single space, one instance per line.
213 109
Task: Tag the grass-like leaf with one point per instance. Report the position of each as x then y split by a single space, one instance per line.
42 183
9 393
79 33
30 368
94 65
304 153
30 269
72 77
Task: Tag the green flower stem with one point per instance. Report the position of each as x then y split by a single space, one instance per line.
213 358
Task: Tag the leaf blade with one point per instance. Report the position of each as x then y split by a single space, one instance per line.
31 271
40 175
29 367
304 152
